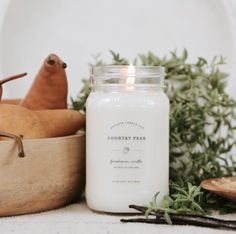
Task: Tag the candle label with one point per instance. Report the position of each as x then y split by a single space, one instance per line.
126 156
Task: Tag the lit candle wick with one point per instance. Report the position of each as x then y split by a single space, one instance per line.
130 80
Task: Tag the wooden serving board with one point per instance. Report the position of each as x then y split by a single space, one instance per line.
51 175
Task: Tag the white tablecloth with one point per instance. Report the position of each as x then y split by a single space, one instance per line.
78 219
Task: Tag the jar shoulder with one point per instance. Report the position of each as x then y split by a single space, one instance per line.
144 98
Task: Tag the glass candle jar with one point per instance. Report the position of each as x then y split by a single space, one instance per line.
127 138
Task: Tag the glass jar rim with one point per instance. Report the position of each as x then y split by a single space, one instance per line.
127 74
139 70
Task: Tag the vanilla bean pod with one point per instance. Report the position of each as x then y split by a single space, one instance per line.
142 209
187 220
144 220
180 219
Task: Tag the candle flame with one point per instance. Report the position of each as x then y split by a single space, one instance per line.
130 80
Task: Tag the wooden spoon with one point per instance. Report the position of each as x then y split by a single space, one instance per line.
224 186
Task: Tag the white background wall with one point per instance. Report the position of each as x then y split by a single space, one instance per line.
76 29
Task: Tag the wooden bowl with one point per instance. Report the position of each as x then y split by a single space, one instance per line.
221 186
51 175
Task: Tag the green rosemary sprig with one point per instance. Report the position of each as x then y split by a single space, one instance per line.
182 200
79 102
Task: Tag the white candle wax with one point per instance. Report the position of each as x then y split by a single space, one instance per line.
127 147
